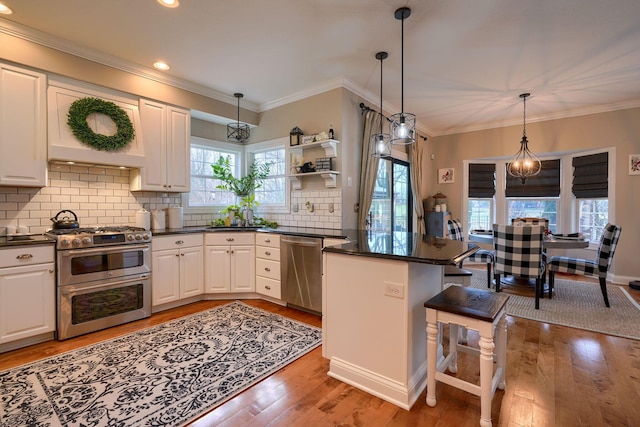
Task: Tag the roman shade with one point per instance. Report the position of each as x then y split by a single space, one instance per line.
482 180
544 184
591 176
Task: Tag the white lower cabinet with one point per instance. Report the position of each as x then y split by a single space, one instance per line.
176 267
268 265
27 292
230 262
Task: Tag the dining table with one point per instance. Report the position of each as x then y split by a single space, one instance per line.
549 242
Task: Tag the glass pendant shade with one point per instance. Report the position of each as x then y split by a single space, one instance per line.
403 125
524 163
380 141
238 132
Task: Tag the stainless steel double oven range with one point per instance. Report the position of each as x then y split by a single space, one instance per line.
103 278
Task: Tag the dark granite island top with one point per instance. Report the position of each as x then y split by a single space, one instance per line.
404 246
374 320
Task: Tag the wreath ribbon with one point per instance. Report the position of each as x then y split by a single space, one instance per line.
77 121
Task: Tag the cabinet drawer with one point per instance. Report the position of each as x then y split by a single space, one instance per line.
26 255
267 268
218 239
268 239
176 241
268 253
269 287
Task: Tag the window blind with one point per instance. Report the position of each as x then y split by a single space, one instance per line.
482 180
591 176
544 184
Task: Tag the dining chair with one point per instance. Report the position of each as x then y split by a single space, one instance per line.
599 267
518 252
534 221
482 255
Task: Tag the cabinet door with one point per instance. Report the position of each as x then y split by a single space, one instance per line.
27 301
154 135
191 272
165 276
217 272
178 153
23 127
243 269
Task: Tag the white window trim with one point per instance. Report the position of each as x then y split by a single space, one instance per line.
567 206
266 146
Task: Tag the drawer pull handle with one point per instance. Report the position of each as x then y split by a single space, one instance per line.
24 256
182 254
267 287
179 242
177 254
267 240
267 269
230 239
267 253
51 270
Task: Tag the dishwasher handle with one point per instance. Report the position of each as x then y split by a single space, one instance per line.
307 243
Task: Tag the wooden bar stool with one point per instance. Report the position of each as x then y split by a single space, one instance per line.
479 310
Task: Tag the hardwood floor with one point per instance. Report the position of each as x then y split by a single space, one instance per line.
556 376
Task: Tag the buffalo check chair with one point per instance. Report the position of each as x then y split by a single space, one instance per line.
519 253
533 221
599 267
482 255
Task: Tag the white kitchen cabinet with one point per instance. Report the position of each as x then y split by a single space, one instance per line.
166 131
297 152
27 294
176 268
230 262
23 127
268 265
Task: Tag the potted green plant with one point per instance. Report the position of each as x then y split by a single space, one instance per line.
241 187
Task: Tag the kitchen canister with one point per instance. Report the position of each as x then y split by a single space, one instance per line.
143 219
158 219
175 217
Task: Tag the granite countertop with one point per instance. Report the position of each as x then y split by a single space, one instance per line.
405 246
25 240
295 231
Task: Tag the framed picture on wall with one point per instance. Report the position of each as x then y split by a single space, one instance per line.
634 164
446 176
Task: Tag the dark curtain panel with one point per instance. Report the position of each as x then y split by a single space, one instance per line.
482 180
591 176
545 184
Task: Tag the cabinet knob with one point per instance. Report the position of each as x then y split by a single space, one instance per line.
267 287
179 242
182 254
24 256
232 251
177 254
51 270
267 253
267 240
267 269
230 239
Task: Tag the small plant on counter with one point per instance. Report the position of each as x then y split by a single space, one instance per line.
264 222
241 187
218 222
231 210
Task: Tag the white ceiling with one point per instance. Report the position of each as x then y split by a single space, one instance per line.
466 61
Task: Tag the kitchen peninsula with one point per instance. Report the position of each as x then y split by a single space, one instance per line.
374 290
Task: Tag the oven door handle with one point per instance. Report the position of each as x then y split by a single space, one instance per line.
65 291
104 249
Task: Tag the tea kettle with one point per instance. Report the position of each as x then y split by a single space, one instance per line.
65 223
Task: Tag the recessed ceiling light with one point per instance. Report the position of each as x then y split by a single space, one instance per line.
161 65
6 11
169 3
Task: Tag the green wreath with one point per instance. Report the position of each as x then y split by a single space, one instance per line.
77 121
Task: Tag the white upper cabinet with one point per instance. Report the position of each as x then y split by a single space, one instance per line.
23 127
63 145
166 130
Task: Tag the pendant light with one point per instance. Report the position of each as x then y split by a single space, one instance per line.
238 132
380 141
524 163
402 124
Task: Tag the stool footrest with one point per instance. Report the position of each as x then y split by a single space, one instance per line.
458 383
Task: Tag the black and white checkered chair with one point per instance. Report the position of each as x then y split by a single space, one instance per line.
482 255
599 267
533 221
519 253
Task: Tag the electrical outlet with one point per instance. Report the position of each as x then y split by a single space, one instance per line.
395 290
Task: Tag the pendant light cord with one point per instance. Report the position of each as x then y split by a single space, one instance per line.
381 59
524 116
402 67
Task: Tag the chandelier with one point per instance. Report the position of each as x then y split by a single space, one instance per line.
402 124
524 163
380 141
238 132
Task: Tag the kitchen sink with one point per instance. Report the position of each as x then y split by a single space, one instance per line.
233 228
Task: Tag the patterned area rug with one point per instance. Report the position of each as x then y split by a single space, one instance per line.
578 305
165 375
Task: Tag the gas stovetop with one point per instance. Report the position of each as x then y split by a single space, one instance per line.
91 237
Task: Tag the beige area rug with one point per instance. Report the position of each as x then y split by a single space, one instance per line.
578 305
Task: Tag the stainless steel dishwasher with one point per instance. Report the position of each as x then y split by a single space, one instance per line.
301 272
